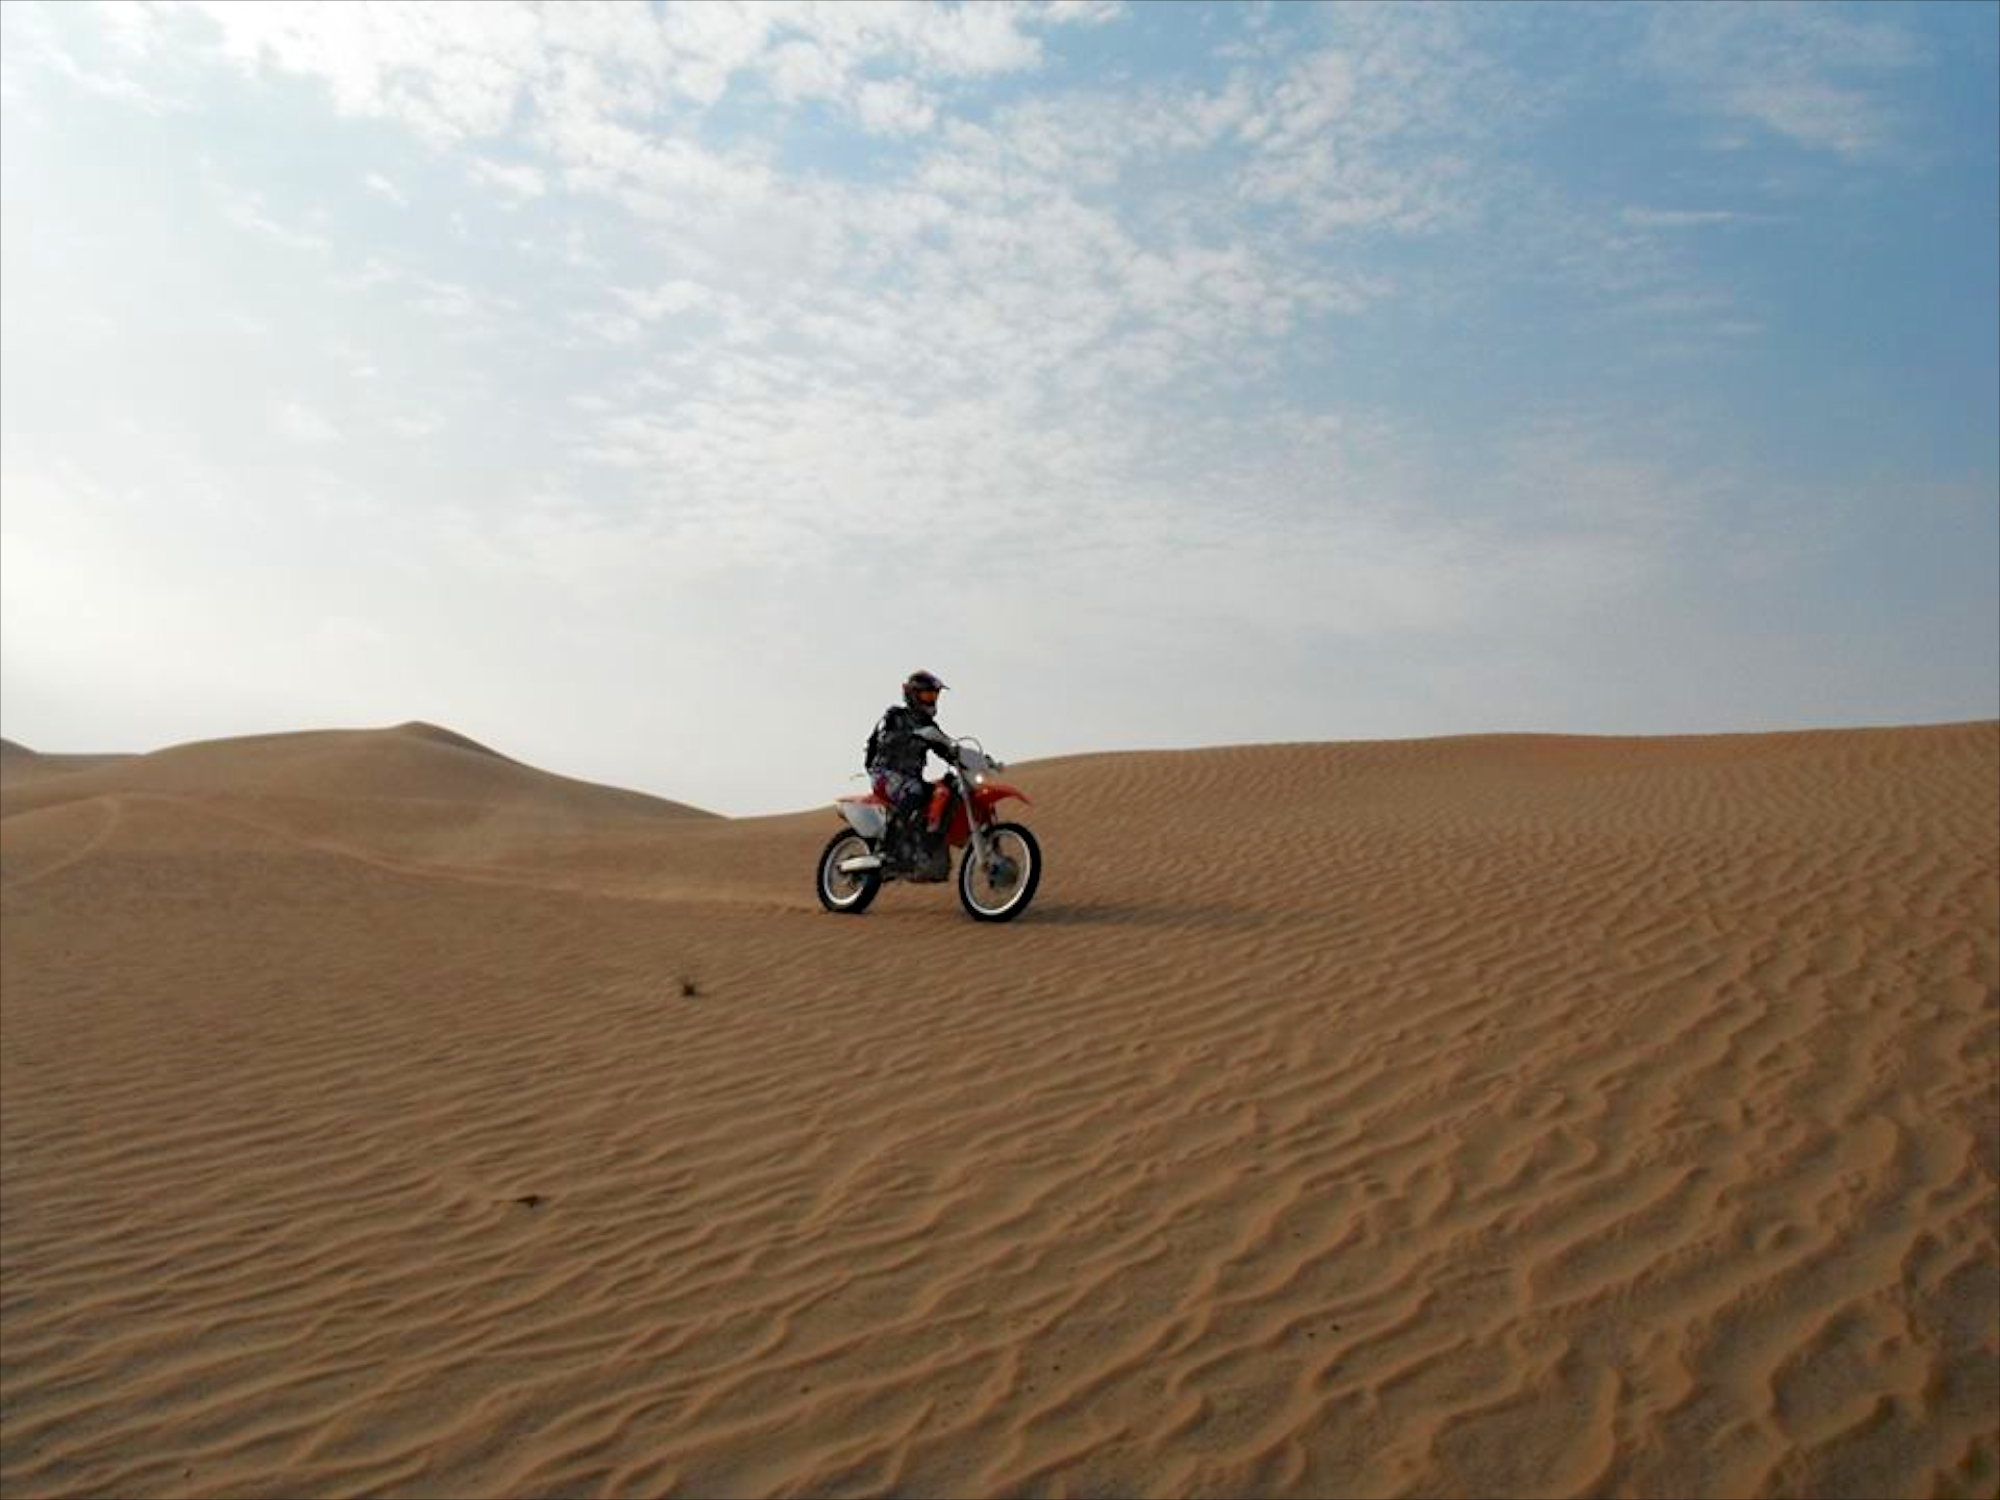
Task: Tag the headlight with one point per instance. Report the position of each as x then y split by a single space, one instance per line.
979 778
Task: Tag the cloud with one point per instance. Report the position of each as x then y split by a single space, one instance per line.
667 298
607 328
1088 12
247 212
517 180
459 303
376 183
1687 218
1807 73
34 45
454 300
456 73
894 107
299 423
447 72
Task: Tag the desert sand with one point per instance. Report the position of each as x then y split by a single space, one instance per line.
1509 1115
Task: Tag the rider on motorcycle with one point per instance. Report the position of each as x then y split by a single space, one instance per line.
897 749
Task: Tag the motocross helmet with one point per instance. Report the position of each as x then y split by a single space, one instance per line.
920 694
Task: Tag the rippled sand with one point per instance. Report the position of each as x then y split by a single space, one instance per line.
1493 1116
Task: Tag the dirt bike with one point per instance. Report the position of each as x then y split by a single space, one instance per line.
997 876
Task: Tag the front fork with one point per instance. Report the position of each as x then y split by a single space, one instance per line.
982 848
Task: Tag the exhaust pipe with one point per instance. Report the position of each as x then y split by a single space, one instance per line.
859 863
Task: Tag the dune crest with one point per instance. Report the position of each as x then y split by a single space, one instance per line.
1508 1115
438 735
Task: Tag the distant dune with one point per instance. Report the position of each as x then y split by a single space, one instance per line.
1509 1115
415 792
18 763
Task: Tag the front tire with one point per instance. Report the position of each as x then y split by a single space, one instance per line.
1000 888
842 891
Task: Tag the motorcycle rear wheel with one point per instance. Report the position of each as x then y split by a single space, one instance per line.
843 891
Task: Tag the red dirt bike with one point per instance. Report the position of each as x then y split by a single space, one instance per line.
998 875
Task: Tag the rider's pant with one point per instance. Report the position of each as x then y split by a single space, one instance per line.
907 793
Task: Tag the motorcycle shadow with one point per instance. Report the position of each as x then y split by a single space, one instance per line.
1132 914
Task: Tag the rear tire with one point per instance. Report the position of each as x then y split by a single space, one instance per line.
986 900
848 894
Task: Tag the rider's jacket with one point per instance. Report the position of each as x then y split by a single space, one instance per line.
902 740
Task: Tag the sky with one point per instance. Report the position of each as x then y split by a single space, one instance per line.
645 390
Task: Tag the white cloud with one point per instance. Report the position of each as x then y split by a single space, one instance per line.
518 180
1682 218
607 328
247 212
382 186
33 45
451 299
799 69
705 46
894 107
375 271
1807 73
456 73
299 423
1375 130
448 72
1088 12
666 299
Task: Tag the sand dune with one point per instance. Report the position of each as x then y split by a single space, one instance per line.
1513 1115
415 793
20 764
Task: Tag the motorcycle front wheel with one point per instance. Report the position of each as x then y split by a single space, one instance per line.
999 887
847 891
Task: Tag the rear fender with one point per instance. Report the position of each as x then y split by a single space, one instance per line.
867 816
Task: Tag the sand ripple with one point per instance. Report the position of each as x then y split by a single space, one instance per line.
1508 1116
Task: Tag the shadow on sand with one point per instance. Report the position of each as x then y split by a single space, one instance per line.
1059 913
